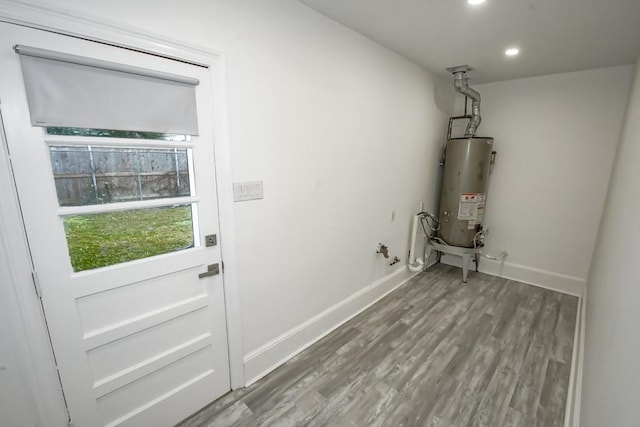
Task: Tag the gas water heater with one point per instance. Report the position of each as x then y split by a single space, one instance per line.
457 228
465 179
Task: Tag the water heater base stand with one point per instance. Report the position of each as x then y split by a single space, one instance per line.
465 253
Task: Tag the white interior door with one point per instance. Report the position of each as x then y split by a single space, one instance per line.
116 224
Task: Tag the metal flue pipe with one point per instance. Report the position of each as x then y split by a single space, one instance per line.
461 84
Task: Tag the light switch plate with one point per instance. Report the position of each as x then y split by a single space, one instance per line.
250 190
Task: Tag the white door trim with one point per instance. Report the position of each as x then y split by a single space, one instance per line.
88 27
23 308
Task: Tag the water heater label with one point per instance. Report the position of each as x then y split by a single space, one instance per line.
482 199
468 207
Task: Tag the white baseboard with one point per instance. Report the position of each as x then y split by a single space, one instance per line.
533 276
572 416
274 353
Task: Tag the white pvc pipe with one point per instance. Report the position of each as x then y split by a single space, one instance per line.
500 257
418 264
414 231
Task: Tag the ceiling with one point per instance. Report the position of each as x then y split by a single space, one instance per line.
554 36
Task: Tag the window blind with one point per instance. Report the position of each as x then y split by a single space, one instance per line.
66 90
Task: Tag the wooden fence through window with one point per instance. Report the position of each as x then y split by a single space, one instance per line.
86 175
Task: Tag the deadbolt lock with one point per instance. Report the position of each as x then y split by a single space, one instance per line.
210 240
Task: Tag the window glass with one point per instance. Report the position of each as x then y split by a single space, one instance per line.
116 134
88 175
103 239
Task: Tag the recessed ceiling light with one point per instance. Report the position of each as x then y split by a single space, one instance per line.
512 51
475 2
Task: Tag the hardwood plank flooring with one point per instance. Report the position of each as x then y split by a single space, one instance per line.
435 352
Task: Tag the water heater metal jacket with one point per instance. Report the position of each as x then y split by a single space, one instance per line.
464 187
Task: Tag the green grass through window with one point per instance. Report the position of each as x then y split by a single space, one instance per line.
99 240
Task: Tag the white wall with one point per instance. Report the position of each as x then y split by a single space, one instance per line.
556 137
611 381
341 131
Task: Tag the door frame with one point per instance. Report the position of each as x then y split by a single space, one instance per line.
99 30
33 359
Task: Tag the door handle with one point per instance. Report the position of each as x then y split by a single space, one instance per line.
212 270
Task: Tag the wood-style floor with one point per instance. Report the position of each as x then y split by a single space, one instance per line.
435 352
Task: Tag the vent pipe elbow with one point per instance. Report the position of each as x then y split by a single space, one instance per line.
461 83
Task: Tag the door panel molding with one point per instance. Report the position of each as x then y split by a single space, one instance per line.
121 378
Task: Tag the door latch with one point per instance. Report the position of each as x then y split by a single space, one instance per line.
212 270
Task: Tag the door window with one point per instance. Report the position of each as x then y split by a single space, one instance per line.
89 174
103 176
103 239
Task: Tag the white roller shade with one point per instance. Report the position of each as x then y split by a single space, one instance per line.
72 91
